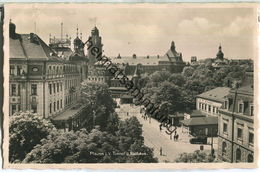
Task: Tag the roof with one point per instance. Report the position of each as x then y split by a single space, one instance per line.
118 88
216 94
21 47
70 113
197 113
144 60
200 121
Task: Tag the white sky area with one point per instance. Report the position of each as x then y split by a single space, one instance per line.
147 30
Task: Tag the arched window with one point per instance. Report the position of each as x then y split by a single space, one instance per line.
224 148
238 155
250 158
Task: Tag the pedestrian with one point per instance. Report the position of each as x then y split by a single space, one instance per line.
160 151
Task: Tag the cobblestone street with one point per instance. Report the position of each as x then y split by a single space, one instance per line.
156 139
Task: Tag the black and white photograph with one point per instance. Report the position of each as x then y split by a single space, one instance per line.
130 84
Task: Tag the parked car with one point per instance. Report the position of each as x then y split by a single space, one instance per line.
199 140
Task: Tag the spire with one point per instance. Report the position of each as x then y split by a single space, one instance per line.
173 46
77 30
61 30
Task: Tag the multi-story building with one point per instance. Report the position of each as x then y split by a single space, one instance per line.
171 61
210 101
236 124
204 120
40 80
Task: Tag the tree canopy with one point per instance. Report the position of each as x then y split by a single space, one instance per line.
26 130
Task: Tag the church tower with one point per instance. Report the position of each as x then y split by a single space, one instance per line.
94 41
78 45
220 54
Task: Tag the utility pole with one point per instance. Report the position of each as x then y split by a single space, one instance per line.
233 122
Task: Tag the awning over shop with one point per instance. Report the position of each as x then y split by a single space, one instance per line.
200 121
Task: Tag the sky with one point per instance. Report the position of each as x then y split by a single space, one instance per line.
147 29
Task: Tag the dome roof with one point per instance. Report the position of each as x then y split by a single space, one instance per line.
77 40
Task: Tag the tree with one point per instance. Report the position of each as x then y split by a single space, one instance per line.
94 147
195 157
103 105
188 71
26 130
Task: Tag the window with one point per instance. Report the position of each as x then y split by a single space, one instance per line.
209 108
239 133
225 128
238 155
226 104
19 90
61 103
240 108
58 105
19 69
54 89
224 148
13 109
50 89
214 109
251 110
200 106
34 108
12 70
54 106
251 138
58 87
250 158
33 89
50 108
13 90
19 108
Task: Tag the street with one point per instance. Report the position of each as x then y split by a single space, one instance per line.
156 139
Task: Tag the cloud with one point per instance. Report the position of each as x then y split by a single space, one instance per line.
238 27
197 25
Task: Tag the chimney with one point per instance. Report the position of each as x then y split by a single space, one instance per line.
147 56
31 37
12 28
158 56
134 56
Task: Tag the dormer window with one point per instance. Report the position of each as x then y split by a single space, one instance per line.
226 104
251 110
240 107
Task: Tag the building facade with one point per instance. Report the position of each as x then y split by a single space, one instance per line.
211 101
236 124
41 81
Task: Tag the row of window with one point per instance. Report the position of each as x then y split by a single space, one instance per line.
95 79
55 106
250 157
240 133
16 89
55 87
72 83
58 69
241 106
17 108
208 108
15 70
